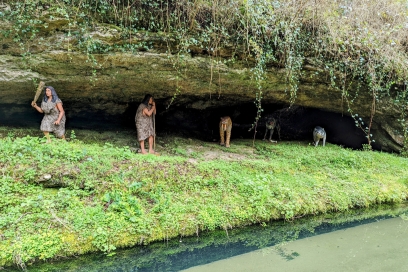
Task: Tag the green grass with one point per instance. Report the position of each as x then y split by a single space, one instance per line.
114 197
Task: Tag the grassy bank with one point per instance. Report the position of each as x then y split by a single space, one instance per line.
113 197
172 255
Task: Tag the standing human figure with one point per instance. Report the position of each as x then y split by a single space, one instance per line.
54 114
144 123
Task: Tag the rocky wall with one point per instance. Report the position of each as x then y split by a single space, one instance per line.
103 91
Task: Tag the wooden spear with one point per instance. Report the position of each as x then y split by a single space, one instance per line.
154 132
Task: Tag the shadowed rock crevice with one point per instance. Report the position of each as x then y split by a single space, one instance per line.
297 122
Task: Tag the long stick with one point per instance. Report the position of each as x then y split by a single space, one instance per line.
39 90
154 132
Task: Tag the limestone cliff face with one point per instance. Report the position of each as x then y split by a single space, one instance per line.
104 90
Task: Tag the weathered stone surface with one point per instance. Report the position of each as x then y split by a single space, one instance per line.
106 90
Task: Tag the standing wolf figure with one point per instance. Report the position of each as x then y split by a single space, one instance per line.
271 124
319 133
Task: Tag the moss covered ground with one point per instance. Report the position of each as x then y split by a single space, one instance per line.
109 196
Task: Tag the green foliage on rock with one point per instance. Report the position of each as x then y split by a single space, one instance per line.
359 46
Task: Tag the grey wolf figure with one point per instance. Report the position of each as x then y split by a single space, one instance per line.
319 133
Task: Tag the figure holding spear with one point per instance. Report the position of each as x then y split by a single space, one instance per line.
145 124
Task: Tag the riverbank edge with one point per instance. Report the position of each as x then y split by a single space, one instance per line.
274 233
74 244
85 247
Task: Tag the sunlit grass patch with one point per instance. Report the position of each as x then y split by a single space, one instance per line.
106 195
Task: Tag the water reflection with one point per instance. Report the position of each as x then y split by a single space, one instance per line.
358 240
378 246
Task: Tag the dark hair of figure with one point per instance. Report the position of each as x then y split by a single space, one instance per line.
53 93
146 99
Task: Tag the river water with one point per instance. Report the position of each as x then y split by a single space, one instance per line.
377 246
359 240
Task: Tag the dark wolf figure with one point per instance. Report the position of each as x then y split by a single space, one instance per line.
271 124
319 133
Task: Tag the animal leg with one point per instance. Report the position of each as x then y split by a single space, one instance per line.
266 132
270 136
222 137
227 142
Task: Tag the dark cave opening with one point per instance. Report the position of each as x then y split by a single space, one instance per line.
296 122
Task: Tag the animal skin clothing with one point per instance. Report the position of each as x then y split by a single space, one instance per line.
51 114
144 124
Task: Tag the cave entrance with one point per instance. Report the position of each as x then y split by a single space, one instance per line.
297 123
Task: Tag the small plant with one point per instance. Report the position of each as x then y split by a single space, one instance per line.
11 135
180 151
367 147
366 129
30 175
72 135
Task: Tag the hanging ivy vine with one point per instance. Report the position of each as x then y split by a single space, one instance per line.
360 46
